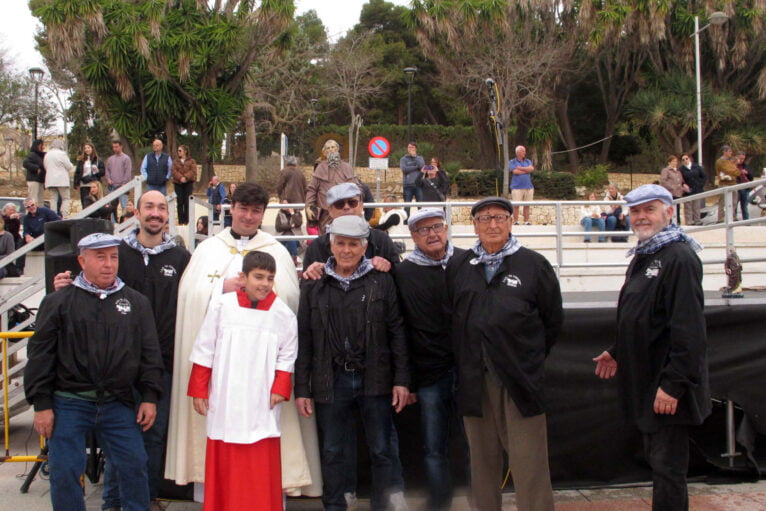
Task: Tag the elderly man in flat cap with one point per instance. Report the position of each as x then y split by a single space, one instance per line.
423 294
661 348
506 316
94 344
352 353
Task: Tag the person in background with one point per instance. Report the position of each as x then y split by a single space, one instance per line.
201 229
12 220
745 176
394 221
7 246
216 193
95 195
128 212
726 174
184 172
329 172
35 168
288 220
118 171
156 168
34 220
433 183
592 217
411 165
57 169
89 169
673 181
522 189
227 200
616 219
695 177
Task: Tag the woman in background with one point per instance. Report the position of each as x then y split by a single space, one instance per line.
184 172
89 169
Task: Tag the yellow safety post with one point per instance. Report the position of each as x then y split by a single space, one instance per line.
4 336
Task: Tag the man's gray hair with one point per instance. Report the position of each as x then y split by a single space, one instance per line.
725 148
8 205
57 144
333 236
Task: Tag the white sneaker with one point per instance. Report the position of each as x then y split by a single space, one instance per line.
398 502
352 504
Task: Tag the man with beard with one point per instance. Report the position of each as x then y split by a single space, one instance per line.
661 347
330 172
214 269
152 264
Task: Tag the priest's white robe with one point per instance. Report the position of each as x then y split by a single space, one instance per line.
216 259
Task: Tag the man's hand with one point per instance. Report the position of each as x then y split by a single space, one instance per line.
109 182
401 396
276 399
664 403
314 271
62 280
311 213
147 412
43 422
381 264
200 405
28 238
304 406
233 283
606 366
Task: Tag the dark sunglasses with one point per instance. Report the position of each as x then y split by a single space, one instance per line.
340 204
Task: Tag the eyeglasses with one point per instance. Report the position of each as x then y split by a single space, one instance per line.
340 204
436 228
500 219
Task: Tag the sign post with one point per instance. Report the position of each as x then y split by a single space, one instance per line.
379 148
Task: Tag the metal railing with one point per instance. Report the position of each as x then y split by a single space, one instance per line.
559 233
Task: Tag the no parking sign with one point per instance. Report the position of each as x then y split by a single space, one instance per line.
379 147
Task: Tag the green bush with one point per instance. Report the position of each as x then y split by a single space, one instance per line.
554 185
479 183
424 149
593 177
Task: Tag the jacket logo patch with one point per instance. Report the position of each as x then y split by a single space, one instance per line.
123 306
511 281
654 269
168 271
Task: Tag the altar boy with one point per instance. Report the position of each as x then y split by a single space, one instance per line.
243 360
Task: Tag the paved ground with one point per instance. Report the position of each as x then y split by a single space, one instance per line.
740 497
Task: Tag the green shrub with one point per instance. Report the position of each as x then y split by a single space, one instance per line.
480 183
593 177
554 185
424 149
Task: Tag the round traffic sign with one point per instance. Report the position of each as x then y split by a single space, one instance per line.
379 147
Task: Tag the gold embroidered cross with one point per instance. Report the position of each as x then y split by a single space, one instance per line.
216 275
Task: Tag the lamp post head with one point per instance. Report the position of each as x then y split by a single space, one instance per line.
410 73
36 73
717 18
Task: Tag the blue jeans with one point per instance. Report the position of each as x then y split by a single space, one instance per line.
291 246
437 406
589 222
336 424
157 188
409 192
743 203
611 223
155 440
118 435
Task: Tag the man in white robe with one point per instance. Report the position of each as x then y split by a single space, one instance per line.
213 270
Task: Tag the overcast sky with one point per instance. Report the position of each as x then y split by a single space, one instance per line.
18 26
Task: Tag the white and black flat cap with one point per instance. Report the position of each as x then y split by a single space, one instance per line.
424 213
98 240
648 193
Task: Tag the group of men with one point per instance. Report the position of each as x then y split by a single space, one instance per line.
447 328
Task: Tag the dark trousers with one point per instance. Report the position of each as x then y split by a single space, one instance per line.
667 452
336 424
183 191
410 191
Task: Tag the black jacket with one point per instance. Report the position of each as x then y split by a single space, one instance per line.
83 344
159 282
80 180
104 211
661 338
512 323
434 190
423 299
378 244
385 348
35 168
695 177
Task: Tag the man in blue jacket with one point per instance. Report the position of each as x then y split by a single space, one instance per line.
156 168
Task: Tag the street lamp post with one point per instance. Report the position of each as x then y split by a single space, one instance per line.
410 74
715 18
37 75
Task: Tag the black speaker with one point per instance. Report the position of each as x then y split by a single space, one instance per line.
61 239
